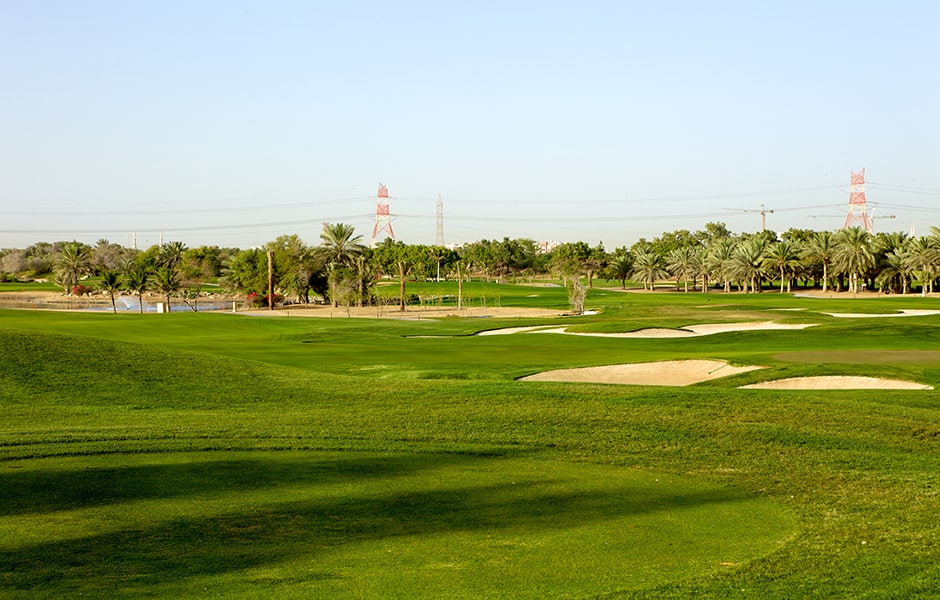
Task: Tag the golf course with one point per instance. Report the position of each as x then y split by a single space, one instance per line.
643 449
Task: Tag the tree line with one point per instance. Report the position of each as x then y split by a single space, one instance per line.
343 271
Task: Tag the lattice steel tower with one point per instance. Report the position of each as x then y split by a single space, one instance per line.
440 221
383 220
858 207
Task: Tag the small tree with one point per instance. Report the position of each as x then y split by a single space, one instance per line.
72 263
167 282
137 279
111 283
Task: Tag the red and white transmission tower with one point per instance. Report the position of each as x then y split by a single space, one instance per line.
383 220
858 207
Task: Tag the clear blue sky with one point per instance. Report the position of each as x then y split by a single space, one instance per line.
228 122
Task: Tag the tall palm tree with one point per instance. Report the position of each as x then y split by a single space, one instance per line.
137 279
167 282
649 266
339 244
718 260
747 262
171 254
783 257
620 268
821 248
681 263
923 258
853 254
71 264
895 271
111 283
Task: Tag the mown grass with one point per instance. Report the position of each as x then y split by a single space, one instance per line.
170 455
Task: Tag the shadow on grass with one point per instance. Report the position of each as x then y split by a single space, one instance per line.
371 509
30 491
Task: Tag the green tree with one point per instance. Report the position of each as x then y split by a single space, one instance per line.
170 255
648 266
784 258
718 260
72 264
853 255
167 282
340 244
923 259
682 263
247 272
111 283
821 247
137 279
398 258
748 260
620 267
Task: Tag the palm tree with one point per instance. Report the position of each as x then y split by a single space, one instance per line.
923 259
340 247
171 254
364 277
747 262
137 279
895 271
681 263
784 257
718 260
168 282
649 266
72 263
853 255
339 244
111 283
621 267
821 248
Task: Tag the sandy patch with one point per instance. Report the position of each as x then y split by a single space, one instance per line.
837 382
512 330
685 332
667 373
913 312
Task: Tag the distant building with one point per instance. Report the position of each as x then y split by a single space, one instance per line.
546 247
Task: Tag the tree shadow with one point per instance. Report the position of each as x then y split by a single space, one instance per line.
134 561
25 492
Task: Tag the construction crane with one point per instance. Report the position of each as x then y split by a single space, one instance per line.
763 214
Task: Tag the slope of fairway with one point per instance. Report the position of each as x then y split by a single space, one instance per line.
352 525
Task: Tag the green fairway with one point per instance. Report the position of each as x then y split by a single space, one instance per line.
224 455
368 525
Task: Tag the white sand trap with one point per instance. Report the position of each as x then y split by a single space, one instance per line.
670 373
913 312
511 330
837 382
687 331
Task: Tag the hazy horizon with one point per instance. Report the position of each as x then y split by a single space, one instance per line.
231 123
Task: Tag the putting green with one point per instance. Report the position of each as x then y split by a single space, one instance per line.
328 524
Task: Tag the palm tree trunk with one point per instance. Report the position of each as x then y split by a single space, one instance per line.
401 286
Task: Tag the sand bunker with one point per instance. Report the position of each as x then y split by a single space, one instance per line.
511 330
668 373
914 312
684 332
837 382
